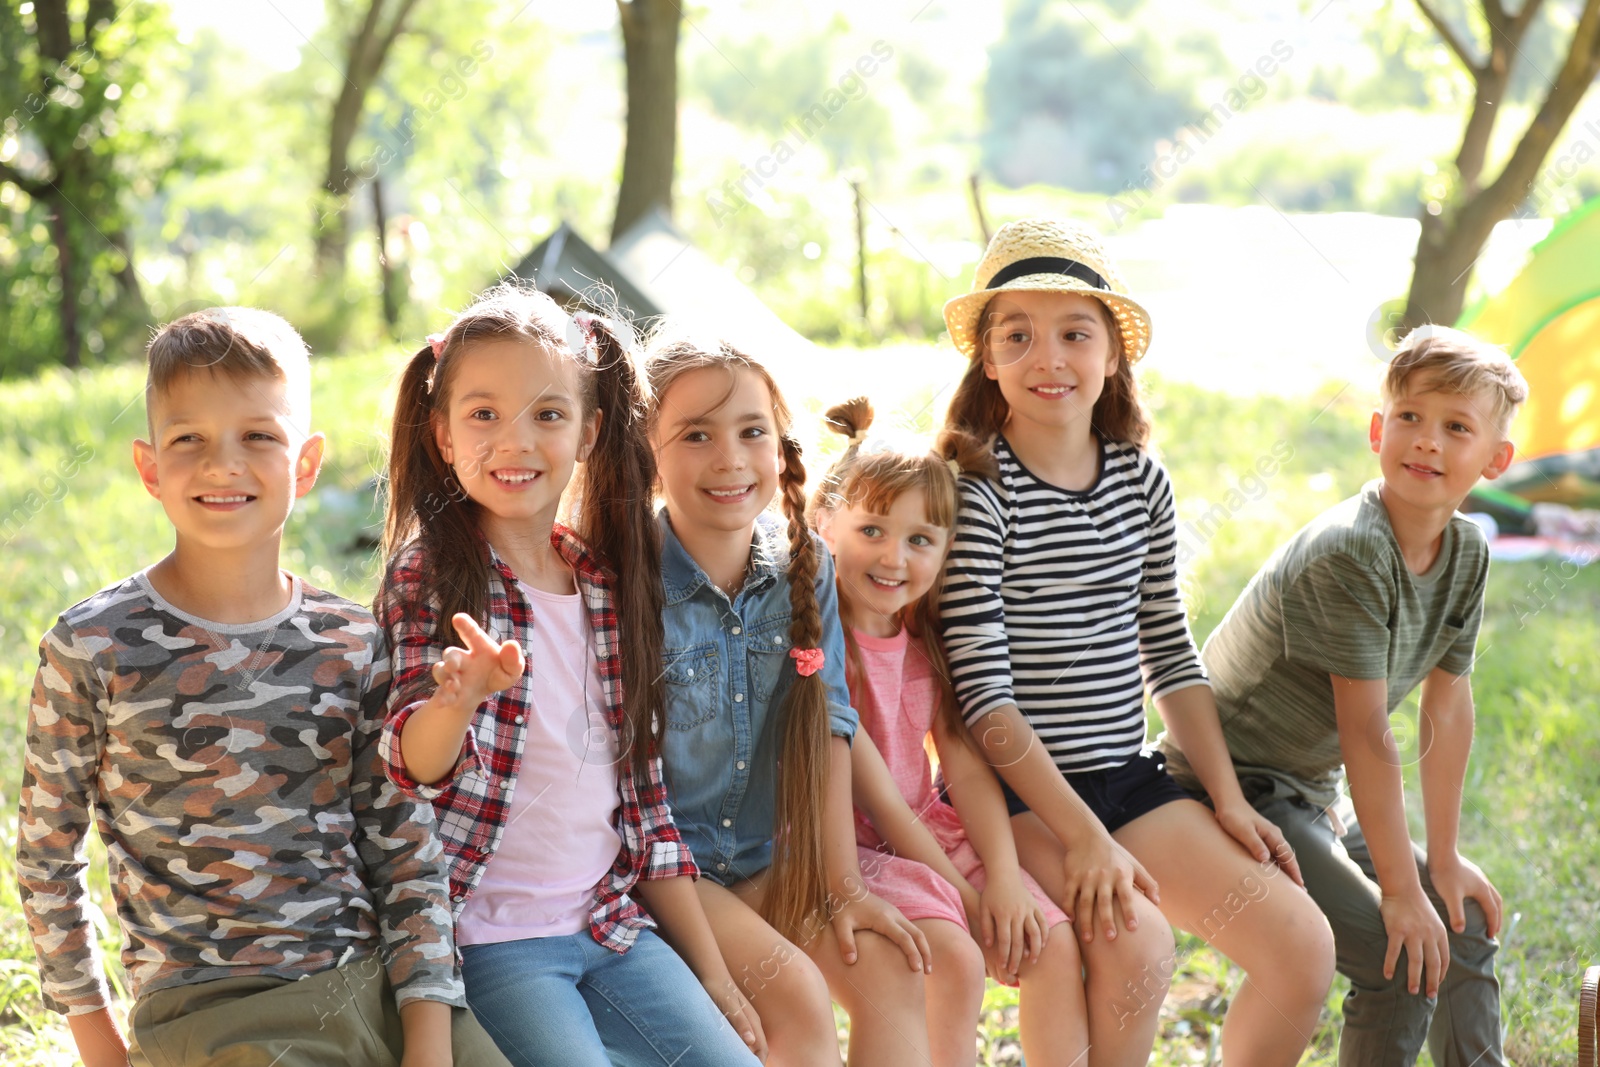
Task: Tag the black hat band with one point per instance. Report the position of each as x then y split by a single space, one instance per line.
1047 265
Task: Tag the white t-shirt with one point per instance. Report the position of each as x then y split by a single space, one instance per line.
560 837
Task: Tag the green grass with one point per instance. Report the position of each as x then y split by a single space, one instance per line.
1535 771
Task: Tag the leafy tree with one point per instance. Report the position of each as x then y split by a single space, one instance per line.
74 148
1457 223
372 30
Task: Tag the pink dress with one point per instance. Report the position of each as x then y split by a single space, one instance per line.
896 698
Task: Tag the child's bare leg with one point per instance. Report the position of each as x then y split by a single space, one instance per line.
882 995
1128 977
780 981
954 993
1053 1016
1254 915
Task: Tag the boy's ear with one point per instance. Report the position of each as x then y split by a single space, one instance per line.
309 464
1503 455
1375 431
144 461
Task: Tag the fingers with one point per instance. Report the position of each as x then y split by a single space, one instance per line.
846 933
1438 953
1455 905
921 955
1005 939
1106 908
1143 882
748 1025
1037 932
1082 902
1495 913
1392 954
470 633
1013 945
509 658
1283 856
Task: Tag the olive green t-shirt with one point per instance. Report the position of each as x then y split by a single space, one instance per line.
1337 599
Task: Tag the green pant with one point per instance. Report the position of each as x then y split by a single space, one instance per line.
346 1015
1384 1023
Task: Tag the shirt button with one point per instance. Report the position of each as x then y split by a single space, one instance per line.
738 698
690 672
777 639
720 867
740 765
520 720
736 630
727 822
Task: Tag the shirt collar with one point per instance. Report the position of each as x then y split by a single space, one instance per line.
568 546
682 577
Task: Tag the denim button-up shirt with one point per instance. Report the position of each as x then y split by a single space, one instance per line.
727 669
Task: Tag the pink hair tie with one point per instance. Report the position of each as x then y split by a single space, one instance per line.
436 342
807 661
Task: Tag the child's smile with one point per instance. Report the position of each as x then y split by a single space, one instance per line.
717 449
515 429
885 562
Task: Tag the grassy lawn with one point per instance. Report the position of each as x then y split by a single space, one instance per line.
74 518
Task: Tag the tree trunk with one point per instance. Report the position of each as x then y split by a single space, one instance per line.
650 49
364 58
71 340
380 219
1451 241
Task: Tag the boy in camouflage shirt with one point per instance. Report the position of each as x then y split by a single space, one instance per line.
217 720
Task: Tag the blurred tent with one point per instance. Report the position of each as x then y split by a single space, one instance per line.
570 269
655 270
1548 319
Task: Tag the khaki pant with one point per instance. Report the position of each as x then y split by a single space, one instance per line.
346 1015
1384 1024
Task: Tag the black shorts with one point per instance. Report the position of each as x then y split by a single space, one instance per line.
1118 795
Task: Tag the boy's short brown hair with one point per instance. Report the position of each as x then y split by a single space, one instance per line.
1459 364
238 342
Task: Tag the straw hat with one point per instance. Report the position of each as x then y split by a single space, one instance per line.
1047 255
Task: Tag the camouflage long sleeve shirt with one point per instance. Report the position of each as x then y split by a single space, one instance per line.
232 772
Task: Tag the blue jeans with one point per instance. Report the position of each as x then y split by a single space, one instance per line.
569 1000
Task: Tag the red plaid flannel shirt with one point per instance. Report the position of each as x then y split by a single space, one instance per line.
471 803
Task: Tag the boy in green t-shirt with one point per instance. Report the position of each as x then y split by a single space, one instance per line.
1375 596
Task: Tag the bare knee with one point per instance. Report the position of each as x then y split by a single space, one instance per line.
958 967
1139 961
791 997
879 978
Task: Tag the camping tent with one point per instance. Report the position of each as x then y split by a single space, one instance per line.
1548 318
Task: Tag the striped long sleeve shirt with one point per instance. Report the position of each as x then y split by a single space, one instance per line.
1066 604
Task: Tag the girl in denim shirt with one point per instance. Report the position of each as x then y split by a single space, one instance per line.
759 720
540 748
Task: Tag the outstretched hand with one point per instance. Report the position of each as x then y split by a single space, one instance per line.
467 675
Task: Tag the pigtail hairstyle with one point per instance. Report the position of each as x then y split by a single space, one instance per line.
799 878
978 411
874 480
427 503
798 887
614 519
612 509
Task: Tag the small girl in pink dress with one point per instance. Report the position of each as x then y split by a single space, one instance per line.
946 860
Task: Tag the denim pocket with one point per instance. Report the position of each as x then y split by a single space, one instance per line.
769 655
691 692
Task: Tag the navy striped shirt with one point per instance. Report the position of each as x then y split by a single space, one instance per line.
1066 604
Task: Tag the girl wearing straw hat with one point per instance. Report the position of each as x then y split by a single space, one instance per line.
1060 611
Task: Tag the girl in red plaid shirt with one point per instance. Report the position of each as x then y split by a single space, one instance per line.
526 702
